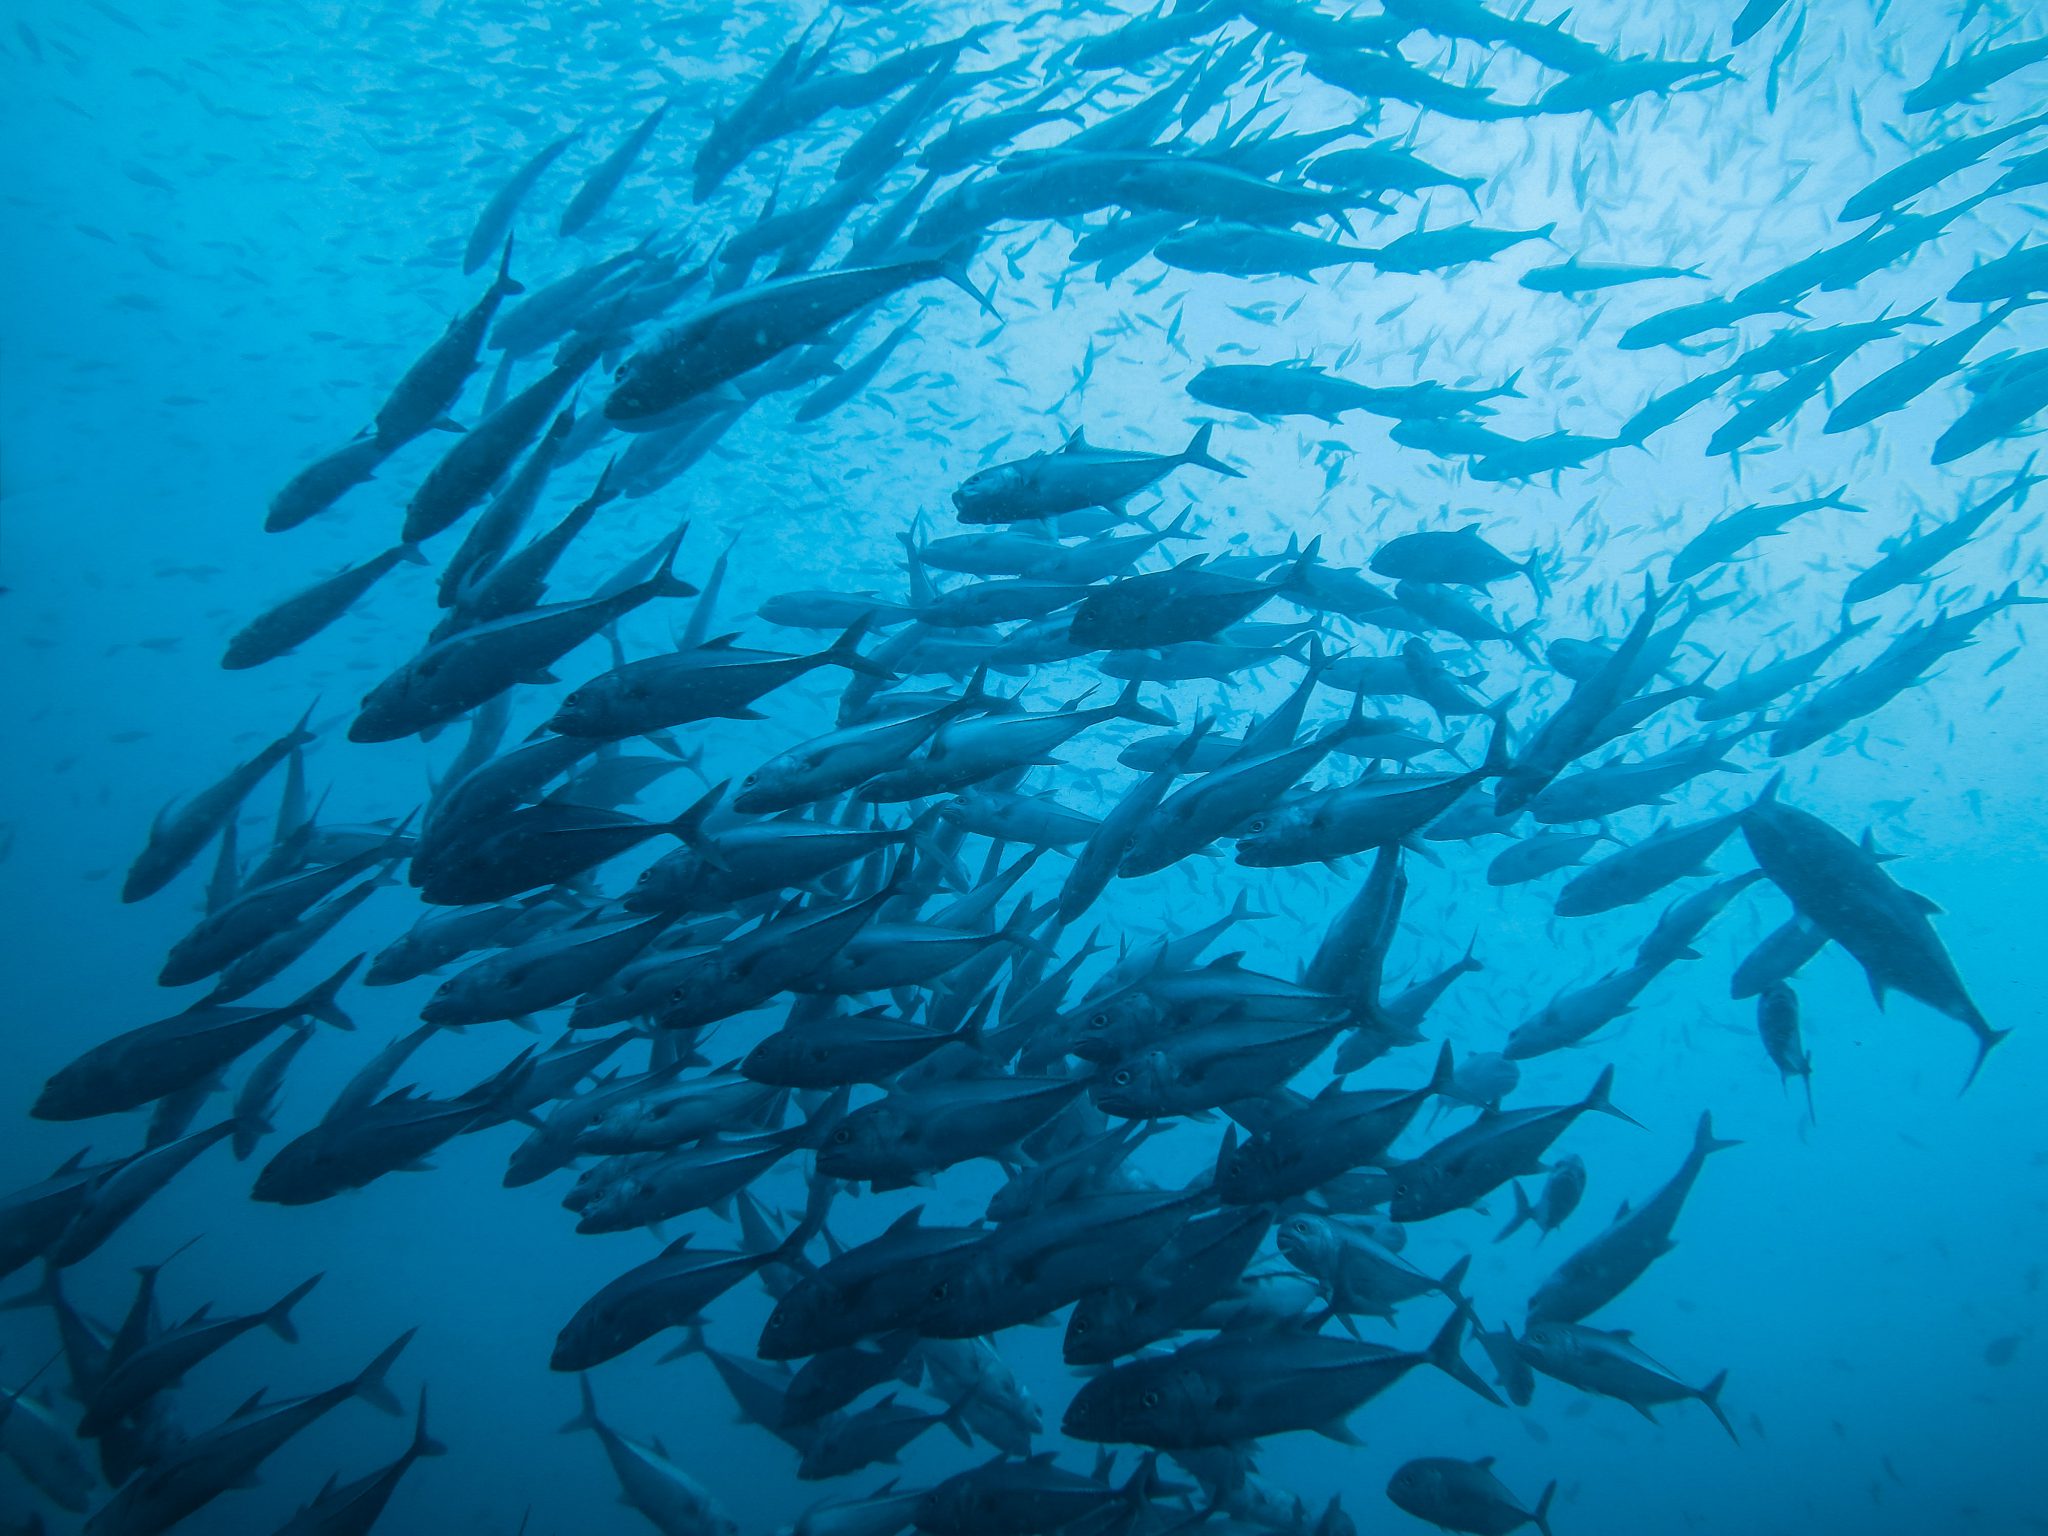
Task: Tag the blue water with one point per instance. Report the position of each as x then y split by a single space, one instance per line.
229 229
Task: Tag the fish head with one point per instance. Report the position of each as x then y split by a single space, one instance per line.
665 884
1280 835
793 1324
76 1091
1417 1487
1162 1402
393 963
1244 1170
453 998
1415 1188
1101 1327
961 1294
388 708
640 388
1550 1343
782 1058
596 1333
540 1154
583 711
593 1185
1134 1086
866 1142
609 1204
1307 1241
984 497
777 783
306 1170
1105 1028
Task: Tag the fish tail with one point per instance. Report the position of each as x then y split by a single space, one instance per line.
817 1207
1540 1515
1710 1394
1443 1353
1197 452
1524 1212
1128 707
1987 1037
845 652
1704 1140
1496 762
302 734
689 826
279 1318
668 583
424 1444
369 1386
586 1414
506 284
953 268
319 1003
1598 1099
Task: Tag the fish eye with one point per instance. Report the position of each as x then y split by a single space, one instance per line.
1259 825
841 1136
1098 1021
939 1291
817 1053
573 700
1122 1078
1150 1400
749 779
1079 1325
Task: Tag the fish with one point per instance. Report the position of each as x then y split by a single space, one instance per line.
604 180
494 220
1777 1024
1840 887
1468 1164
1464 1496
1609 1364
751 326
1058 932
1603 1269
424 393
179 835
357 1505
1075 478
1227 1390
211 1463
667 1496
473 666
282 629
1562 1191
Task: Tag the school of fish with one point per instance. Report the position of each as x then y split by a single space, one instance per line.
830 902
